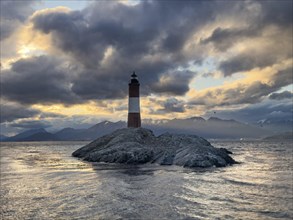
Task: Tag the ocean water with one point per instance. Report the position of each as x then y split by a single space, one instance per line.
42 181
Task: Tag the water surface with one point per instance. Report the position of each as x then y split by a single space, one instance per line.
40 180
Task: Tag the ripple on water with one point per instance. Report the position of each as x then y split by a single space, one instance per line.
43 181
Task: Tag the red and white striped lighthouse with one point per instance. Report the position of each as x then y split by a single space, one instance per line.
133 103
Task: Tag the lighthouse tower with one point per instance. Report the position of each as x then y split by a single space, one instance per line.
133 104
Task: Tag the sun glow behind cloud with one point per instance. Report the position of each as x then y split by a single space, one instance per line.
188 64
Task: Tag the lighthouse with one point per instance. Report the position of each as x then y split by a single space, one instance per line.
133 103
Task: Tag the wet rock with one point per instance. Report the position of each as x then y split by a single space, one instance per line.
139 146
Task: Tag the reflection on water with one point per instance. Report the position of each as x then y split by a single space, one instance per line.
42 181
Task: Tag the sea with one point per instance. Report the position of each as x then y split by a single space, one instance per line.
41 180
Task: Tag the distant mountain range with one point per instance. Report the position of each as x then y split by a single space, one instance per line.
210 128
91 133
68 134
282 136
275 124
3 137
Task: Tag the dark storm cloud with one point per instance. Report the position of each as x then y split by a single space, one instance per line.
37 80
173 105
102 87
170 105
31 124
254 113
254 92
245 62
208 74
107 40
226 38
277 12
244 94
260 19
282 78
133 38
265 13
281 95
45 115
13 14
11 112
135 41
6 29
175 83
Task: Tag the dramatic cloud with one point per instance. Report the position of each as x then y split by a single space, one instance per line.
13 14
38 80
107 48
243 93
223 39
94 86
261 38
254 18
259 56
79 62
31 124
11 112
244 62
110 47
281 96
175 83
268 110
173 105
276 13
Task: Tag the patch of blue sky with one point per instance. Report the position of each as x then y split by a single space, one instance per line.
72 4
205 75
287 88
208 75
201 83
209 82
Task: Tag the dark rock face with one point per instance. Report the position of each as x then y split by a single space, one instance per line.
139 145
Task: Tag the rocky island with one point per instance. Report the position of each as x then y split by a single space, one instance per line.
140 145
136 145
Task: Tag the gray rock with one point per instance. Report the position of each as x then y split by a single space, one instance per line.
139 146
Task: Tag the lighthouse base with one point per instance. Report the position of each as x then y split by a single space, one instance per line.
133 120
140 146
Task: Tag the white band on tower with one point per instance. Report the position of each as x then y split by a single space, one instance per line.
133 105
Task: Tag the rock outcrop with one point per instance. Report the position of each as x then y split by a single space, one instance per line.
139 145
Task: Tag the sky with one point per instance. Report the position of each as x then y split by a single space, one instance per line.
68 63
